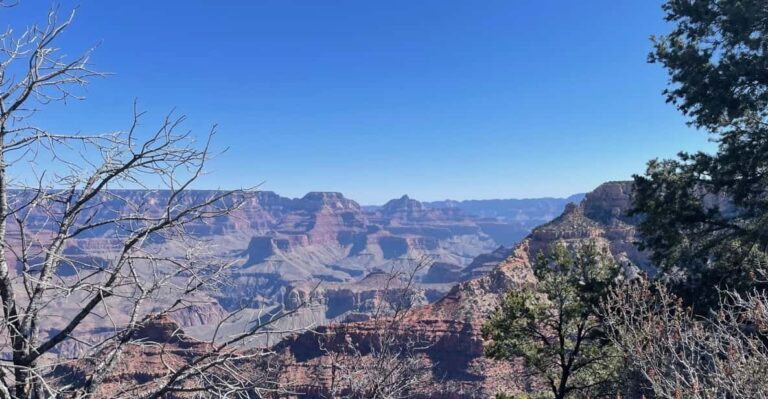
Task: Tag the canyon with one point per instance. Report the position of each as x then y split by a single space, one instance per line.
447 331
286 249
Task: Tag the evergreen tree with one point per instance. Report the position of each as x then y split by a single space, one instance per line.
706 215
553 325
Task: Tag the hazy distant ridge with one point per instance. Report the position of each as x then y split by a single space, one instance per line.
533 209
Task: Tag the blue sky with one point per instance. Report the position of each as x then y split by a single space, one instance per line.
437 99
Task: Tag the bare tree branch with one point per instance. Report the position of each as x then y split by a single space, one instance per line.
152 263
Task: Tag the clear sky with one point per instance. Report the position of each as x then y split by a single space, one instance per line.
433 98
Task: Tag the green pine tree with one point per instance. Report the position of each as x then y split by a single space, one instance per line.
553 325
706 215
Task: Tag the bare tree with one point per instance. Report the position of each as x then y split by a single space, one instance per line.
387 364
59 188
680 355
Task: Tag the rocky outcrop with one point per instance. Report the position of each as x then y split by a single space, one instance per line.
600 218
441 272
404 209
199 314
162 329
157 347
377 292
451 349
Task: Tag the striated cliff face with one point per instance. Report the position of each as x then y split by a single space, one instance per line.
450 328
451 349
159 346
356 301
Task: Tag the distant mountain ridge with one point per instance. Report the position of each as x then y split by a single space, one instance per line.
545 208
533 210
